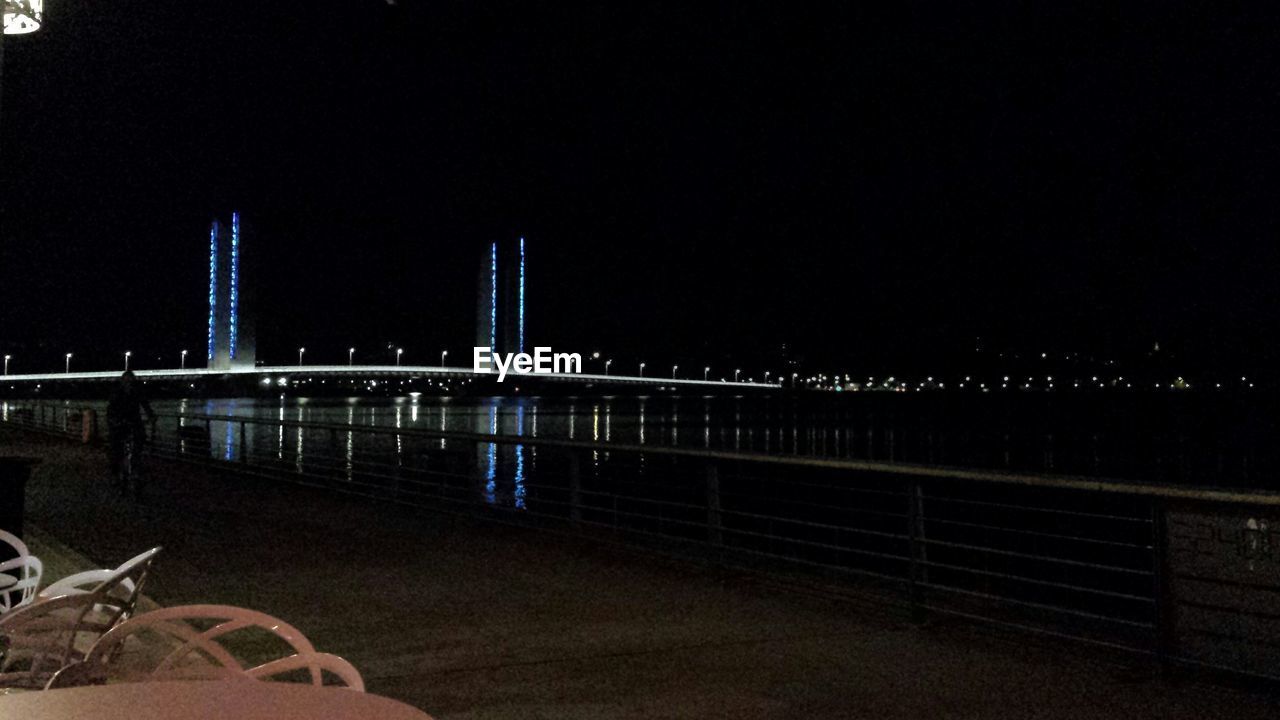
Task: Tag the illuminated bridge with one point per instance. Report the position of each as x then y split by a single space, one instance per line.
268 374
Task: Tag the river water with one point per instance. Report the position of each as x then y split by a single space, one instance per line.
1202 439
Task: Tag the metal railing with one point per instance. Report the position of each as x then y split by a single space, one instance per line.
1182 574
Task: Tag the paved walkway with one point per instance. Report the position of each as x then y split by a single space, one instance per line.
469 620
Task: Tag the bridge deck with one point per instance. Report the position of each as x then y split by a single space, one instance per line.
377 371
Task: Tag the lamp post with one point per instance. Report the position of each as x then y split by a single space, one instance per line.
641 369
607 363
673 371
182 362
736 373
443 354
7 358
399 352
351 354
68 362
766 377
300 351
127 355
705 372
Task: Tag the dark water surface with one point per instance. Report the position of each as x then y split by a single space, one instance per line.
1210 439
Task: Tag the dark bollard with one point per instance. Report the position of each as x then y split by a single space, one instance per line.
14 472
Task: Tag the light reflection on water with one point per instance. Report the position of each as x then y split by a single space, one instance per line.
1008 436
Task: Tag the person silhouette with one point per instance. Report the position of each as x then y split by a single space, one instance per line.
124 423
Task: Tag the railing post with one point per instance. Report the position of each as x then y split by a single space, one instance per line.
244 449
575 488
916 570
715 528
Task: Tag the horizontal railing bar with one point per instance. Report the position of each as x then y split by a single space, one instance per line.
933 520
1041 558
1034 581
1028 508
1038 606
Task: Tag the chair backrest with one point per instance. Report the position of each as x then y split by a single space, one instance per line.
19 582
117 595
82 582
15 542
46 636
193 643
20 567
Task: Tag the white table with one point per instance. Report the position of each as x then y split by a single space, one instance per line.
198 700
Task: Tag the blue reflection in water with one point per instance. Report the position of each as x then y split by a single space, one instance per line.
230 441
491 470
519 491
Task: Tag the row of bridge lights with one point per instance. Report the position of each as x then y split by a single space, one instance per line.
706 371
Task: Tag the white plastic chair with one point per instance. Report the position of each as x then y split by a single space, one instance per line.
186 652
41 638
25 571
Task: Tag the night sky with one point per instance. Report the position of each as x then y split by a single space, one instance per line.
696 182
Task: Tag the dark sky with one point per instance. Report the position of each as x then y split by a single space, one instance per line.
696 181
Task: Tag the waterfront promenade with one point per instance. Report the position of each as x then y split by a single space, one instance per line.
470 620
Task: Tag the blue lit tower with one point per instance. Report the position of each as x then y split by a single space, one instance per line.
230 330
500 297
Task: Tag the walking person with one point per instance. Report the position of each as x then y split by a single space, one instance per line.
124 424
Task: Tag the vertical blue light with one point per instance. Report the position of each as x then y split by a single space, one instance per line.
493 297
521 318
235 281
213 282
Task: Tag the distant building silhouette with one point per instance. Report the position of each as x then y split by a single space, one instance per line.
500 297
231 332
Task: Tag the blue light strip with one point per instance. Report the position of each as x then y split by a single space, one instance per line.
235 281
521 295
213 282
493 297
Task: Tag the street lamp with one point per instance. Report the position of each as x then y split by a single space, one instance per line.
705 371
766 377
641 369
127 355
399 352
7 358
182 363
673 371
443 354
300 351
351 354
68 362
607 363
736 373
